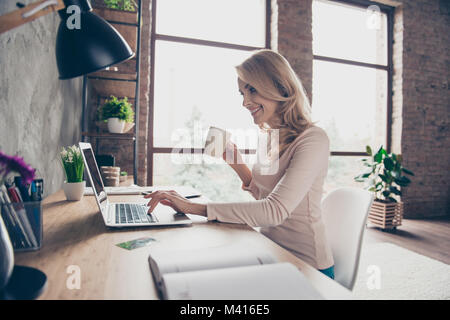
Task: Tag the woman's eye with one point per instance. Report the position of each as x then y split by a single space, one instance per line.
252 90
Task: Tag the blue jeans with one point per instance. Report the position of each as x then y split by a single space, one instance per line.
328 272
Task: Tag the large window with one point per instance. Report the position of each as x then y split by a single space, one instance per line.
196 44
352 72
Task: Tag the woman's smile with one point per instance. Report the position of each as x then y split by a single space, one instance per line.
256 110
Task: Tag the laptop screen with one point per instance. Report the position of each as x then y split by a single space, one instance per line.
95 173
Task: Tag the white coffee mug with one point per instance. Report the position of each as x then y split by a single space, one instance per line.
216 142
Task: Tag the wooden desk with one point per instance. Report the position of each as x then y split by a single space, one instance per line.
74 234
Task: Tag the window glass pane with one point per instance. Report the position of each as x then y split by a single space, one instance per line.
231 21
350 103
348 32
196 87
341 171
214 179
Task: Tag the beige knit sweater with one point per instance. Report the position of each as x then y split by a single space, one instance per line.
288 199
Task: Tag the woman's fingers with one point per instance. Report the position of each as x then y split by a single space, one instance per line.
155 197
163 197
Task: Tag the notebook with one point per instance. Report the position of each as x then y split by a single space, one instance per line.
227 273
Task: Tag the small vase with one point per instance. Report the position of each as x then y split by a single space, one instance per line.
6 255
74 191
115 125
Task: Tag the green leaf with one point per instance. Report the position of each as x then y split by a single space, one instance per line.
378 157
402 181
391 199
407 171
383 177
369 150
394 190
386 193
405 179
366 175
388 163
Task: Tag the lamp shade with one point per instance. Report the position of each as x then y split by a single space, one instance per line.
93 46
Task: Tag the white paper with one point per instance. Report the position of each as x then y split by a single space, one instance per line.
203 259
280 281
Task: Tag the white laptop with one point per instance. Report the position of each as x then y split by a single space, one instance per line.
126 214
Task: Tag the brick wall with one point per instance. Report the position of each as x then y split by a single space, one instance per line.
294 37
425 105
420 118
144 92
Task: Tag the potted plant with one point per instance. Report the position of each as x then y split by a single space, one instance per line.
73 164
385 178
124 5
123 176
118 114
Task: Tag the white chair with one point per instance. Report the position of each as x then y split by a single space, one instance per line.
345 212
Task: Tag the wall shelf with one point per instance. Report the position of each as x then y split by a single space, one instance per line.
121 80
101 135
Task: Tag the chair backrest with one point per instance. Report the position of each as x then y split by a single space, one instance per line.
345 212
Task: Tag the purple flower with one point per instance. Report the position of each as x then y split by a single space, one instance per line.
16 164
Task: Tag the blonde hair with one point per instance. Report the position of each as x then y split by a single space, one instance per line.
272 76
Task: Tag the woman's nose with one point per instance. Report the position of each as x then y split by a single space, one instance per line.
246 102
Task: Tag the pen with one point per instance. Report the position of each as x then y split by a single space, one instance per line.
193 196
187 197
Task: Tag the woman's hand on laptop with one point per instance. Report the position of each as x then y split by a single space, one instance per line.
174 200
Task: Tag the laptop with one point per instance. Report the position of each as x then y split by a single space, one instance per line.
126 214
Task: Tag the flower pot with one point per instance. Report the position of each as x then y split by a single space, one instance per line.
111 181
74 190
386 215
6 254
128 126
115 125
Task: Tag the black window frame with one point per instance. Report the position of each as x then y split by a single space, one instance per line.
151 149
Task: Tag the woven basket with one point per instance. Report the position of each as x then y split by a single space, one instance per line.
386 215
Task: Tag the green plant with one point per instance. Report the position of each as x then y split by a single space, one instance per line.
116 108
73 164
125 5
385 176
124 173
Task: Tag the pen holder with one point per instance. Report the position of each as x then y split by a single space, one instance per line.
23 220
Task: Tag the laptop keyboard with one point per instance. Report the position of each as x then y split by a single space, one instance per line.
127 213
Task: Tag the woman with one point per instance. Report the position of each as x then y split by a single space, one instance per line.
288 201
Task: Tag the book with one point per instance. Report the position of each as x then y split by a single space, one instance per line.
227 273
14 232
18 217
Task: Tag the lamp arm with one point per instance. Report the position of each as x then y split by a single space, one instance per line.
40 7
29 13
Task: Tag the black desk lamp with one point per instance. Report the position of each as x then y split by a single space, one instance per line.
94 46
89 45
